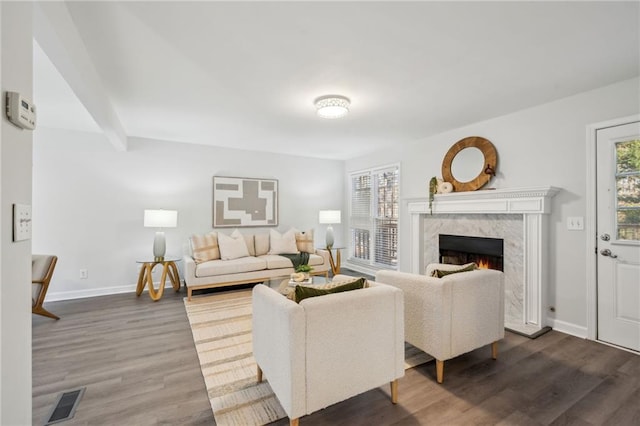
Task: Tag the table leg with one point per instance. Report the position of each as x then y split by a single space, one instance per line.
141 282
337 269
153 293
331 262
174 276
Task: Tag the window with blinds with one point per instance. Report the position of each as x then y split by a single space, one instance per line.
373 222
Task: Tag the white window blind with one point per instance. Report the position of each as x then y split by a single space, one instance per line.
360 218
373 221
386 220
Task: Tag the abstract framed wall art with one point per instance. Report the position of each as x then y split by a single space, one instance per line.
244 202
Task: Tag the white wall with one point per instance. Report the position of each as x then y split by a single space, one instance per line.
540 146
88 200
15 187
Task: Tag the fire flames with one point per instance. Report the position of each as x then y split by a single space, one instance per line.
483 264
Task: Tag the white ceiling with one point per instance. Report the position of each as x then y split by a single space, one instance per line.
245 74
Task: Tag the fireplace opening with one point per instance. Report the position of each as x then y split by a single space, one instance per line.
487 253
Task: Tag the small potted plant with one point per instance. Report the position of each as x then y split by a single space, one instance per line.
433 188
305 269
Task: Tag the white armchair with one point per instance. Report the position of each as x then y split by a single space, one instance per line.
449 316
329 348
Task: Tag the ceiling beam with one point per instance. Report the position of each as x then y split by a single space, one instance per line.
56 33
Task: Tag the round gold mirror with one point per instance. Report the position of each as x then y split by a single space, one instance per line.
470 163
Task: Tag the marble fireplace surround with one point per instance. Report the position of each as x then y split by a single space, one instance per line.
518 216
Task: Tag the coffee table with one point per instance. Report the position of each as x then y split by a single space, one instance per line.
282 286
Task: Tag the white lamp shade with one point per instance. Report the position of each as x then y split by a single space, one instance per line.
329 216
160 218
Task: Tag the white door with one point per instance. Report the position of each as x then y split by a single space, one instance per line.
618 222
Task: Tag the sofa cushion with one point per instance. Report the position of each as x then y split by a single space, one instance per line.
232 247
205 247
278 262
304 241
282 243
261 242
303 292
224 267
439 273
274 261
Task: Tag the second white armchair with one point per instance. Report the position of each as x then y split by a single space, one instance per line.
449 316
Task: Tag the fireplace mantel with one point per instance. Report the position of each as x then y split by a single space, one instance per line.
533 203
517 201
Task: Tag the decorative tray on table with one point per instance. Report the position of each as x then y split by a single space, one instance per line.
293 283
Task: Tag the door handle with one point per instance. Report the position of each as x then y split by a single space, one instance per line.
607 252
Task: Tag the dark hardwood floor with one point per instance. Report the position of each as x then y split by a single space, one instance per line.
137 360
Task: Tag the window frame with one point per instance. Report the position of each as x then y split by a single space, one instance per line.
372 223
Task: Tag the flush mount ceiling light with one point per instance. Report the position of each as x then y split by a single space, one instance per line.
332 106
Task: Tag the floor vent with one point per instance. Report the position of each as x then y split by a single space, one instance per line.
65 406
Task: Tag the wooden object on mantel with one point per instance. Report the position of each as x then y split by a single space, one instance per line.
488 168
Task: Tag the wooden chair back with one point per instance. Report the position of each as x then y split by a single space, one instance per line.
42 267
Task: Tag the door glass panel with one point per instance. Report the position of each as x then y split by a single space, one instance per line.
628 190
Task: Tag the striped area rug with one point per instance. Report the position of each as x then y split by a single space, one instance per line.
221 327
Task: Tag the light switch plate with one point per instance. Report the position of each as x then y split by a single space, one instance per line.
21 222
575 223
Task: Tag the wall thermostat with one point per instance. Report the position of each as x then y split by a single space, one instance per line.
21 111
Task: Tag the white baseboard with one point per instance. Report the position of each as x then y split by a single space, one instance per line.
95 292
567 328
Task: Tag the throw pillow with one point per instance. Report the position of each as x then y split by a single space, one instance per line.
343 281
304 241
438 273
205 247
282 243
232 248
261 242
303 292
248 239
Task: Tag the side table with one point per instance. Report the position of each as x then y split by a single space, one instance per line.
146 276
335 264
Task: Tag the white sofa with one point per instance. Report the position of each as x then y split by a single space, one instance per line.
449 316
256 267
329 348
